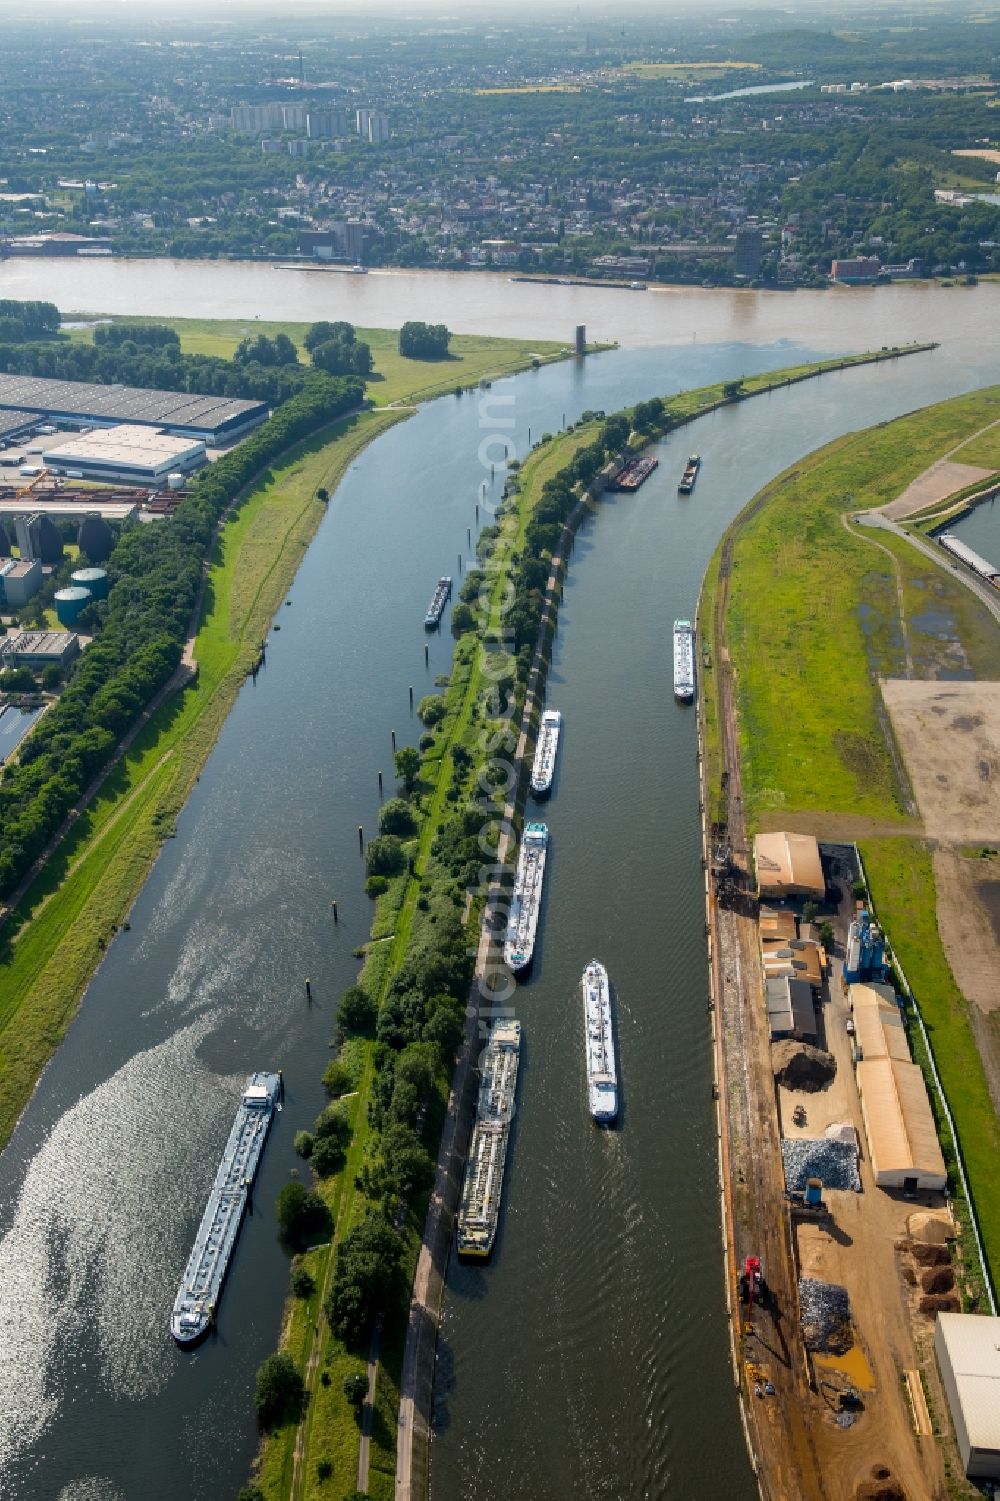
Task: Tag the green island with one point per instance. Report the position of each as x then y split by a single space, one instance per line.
54 938
312 1450
817 750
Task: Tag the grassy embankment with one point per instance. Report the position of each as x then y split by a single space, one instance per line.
330 1432
472 357
812 622
55 938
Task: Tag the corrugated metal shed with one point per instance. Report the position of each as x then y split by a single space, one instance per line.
902 1138
968 1351
878 1023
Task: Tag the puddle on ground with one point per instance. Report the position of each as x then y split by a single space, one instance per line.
988 893
854 1365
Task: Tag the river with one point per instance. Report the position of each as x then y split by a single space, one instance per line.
489 303
590 1358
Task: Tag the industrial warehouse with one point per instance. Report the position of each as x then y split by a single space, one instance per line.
130 454
213 420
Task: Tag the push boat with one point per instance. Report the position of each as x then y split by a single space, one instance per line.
479 1207
602 1074
198 1295
690 475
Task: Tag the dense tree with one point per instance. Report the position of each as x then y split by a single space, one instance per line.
424 341
407 765
396 817
356 1389
356 1012
365 1276
302 1215
385 856
278 1393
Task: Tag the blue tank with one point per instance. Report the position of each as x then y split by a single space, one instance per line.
94 580
70 605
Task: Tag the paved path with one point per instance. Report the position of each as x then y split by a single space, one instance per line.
369 1407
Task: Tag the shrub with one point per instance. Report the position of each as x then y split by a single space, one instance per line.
324 1469
279 1391
328 1157
303 1285
356 1389
376 886
304 1143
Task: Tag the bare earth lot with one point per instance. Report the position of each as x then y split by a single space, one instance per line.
949 734
936 483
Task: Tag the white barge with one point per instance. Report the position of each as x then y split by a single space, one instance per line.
602 1074
526 902
683 660
479 1209
544 767
198 1296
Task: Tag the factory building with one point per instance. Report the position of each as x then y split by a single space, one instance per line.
20 581
788 865
208 419
14 424
39 649
967 1346
902 1138
130 454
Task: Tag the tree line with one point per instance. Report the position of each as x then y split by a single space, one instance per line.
156 571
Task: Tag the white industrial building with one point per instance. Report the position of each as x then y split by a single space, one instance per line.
899 1124
967 1346
20 580
129 453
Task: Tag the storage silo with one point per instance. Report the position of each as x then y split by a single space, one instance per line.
50 542
70 604
94 580
95 537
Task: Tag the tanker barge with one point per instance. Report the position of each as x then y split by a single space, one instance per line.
683 661
544 766
526 903
634 474
690 475
602 1074
479 1209
439 599
198 1296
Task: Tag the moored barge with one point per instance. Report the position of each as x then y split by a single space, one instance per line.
439 599
479 1208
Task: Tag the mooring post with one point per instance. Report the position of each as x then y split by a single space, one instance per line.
309 989
393 733
380 784
334 906
361 837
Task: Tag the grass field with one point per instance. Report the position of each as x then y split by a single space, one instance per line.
472 357
794 552
983 451
686 72
813 735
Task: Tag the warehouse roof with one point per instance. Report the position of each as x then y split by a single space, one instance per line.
124 446
973 1345
902 1137
776 922
878 1022
799 958
790 1007
12 421
125 403
788 865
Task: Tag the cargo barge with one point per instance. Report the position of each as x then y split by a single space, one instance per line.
198 1296
526 903
602 1074
690 475
479 1208
635 473
439 599
683 661
544 766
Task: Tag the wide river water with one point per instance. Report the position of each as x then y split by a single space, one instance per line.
590 1358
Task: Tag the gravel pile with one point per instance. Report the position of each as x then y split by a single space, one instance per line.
835 1163
825 1315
